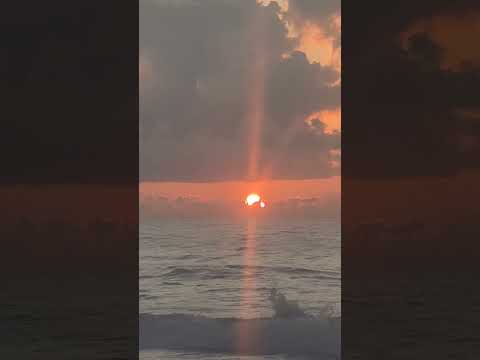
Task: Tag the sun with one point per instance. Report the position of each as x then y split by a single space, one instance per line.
254 200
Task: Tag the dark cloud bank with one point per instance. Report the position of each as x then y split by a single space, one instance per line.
406 112
196 87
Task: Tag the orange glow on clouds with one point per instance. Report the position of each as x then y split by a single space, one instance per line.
318 46
331 119
314 41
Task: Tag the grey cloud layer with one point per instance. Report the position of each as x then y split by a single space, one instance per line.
196 86
314 10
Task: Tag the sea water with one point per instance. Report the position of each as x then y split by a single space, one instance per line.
243 289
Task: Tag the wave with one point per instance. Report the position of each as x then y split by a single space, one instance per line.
242 271
284 308
290 331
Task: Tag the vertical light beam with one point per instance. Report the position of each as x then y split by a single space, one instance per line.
256 93
248 340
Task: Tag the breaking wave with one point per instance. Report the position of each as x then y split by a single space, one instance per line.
290 332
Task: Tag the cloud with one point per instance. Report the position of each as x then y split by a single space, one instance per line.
199 87
452 33
318 25
158 206
314 10
406 113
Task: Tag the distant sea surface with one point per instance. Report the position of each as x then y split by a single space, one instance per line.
246 289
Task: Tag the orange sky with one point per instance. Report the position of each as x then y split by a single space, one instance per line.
272 191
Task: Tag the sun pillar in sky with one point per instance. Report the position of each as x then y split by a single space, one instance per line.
247 332
256 94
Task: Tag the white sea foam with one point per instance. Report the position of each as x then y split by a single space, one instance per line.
208 269
291 332
284 308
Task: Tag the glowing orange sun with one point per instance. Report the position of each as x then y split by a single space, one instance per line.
254 200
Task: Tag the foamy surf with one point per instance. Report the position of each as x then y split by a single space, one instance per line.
289 332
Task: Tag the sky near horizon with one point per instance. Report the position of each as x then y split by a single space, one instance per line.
240 95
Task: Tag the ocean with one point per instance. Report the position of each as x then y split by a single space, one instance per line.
244 289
